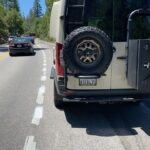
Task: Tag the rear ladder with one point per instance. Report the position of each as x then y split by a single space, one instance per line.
75 14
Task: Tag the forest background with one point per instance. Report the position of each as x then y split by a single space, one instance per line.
12 22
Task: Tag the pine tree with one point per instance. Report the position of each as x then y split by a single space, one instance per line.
38 23
15 5
5 4
49 4
1 2
14 22
3 25
10 4
37 9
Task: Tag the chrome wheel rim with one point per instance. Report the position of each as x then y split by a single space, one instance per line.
88 51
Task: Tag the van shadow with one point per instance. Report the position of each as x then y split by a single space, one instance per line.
108 120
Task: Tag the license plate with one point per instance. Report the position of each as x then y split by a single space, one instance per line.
87 82
19 45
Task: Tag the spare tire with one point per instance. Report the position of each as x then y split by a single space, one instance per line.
87 51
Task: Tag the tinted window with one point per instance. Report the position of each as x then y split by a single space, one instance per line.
111 16
140 27
20 40
100 14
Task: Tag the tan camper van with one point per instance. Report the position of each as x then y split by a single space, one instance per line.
102 51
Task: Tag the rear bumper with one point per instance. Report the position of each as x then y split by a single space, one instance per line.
99 95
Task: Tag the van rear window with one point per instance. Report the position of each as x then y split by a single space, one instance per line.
111 16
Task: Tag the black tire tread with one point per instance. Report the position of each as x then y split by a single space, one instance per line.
76 32
11 54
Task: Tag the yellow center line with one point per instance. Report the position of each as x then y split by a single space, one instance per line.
4 55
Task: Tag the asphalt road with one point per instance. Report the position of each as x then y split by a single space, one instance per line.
29 120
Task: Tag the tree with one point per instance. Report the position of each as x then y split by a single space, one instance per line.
3 26
1 2
34 19
37 22
5 4
11 22
49 4
30 23
10 4
14 22
37 9
15 5
45 22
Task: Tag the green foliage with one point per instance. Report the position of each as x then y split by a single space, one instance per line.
49 4
3 28
43 30
11 22
38 23
37 9
1 2
15 5
29 23
10 4
14 22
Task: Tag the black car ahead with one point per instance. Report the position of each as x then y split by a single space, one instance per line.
20 45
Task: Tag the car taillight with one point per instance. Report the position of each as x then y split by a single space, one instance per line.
11 45
26 44
59 67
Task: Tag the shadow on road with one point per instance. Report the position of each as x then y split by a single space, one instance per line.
23 55
3 49
109 120
39 49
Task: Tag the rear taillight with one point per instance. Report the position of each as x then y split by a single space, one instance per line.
59 67
26 44
11 45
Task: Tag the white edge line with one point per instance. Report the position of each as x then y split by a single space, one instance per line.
37 116
40 97
30 144
44 69
42 89
43 78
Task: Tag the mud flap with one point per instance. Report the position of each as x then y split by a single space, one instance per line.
52 73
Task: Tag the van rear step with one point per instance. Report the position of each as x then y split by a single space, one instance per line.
102 100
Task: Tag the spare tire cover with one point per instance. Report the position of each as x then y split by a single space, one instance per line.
87 51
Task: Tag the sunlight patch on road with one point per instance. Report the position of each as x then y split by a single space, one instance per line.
3 55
